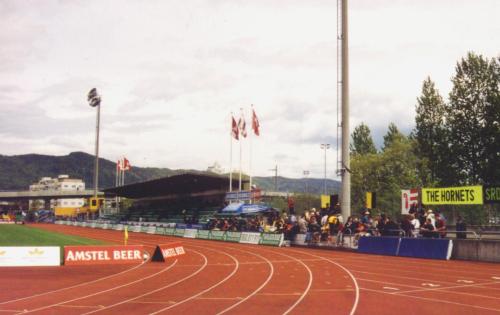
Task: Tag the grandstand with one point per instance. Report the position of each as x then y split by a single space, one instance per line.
176 199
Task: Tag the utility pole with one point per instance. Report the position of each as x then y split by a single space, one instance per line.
306 173
325 146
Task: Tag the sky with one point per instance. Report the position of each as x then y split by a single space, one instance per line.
170 73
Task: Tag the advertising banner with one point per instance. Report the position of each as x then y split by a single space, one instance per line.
233 236
491 194
169 250
118 227
179 232
100 255
190 233
409 198
160 230
135 228
11 256
169 231
203 234
217 235
151 230
465 195
272 239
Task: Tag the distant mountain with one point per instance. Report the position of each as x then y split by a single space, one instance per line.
19 171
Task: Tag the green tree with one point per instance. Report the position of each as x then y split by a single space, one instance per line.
392 136
430 134
473 120
362 141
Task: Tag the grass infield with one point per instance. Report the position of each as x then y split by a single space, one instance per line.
22 235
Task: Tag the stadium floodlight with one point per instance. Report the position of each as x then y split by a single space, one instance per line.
94 100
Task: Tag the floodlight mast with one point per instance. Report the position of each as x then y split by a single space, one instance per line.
94 100
345 200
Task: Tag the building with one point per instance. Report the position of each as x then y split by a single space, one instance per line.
66 206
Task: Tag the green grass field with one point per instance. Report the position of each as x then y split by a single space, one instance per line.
22 235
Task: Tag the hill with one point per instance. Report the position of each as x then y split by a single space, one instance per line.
19 171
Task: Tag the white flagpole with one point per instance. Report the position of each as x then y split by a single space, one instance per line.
250 159
231 155
241 140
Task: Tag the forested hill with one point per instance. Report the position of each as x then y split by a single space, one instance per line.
19 171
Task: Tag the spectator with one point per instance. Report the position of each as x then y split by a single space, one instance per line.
440 226
315 229
416 226
348 227
461 227
302 224
391 228
406 226
427 230
430 215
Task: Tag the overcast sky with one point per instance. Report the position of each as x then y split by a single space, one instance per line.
170 73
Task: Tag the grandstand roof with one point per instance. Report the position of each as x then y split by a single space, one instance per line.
183 184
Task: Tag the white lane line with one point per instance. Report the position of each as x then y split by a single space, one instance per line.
390 288
307 288
156 290
103 291
356 299
236 267
439 301
256 290
75 286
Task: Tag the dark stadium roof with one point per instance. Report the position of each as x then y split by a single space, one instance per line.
184 184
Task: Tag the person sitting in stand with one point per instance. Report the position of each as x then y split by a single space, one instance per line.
461 227
315 229
427 230
406 226
440 226
391 228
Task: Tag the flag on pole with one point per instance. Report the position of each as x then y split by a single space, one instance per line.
125 234
119 165
234 129
255 123
126 164
242 125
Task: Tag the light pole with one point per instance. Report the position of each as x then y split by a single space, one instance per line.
306 173
325 146
94 100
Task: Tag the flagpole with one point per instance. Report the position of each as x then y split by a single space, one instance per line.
231 156
241 140
250 160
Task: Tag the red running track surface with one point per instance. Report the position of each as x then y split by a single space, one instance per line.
226 278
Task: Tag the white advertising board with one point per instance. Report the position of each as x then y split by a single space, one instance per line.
11 256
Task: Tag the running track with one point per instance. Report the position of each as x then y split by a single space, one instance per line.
226 278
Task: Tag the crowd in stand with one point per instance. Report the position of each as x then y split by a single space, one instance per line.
329 225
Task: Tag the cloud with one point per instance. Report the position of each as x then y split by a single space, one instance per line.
171 72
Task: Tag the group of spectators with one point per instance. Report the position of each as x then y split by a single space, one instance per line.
329 225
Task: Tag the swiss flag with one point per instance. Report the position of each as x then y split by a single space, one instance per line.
234 129
255 123
126 164
242 125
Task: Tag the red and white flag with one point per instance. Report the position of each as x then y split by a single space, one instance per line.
234 129
126 164
119 166
255 123
242 125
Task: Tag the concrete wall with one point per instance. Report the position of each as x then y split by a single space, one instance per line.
479 250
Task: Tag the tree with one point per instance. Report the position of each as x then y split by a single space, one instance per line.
362 141
473 120
392 136
430 134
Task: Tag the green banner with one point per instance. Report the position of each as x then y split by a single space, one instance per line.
169 231
160 230
491 194
203 234
271 239
144 229
179 232
217 235
233 236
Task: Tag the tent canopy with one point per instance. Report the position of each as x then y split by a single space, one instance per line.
245 209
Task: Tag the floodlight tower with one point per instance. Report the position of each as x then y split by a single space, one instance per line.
94 100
